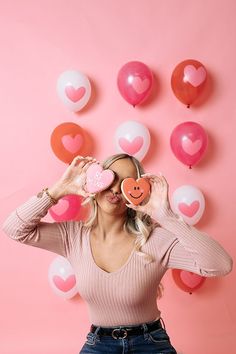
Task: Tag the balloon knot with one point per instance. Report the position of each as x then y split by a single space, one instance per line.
188 106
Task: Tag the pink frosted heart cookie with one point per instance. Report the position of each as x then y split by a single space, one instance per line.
98 179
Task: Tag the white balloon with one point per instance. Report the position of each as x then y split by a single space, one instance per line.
132 138
74 89
62 278
188 202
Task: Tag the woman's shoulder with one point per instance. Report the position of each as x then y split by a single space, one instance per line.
76 228
160 236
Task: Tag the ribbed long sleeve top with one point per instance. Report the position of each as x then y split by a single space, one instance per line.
128 295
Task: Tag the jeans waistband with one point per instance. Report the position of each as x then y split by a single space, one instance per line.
120 332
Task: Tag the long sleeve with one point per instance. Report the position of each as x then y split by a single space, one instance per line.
24 225
189 249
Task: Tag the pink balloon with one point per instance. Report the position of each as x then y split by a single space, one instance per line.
188 142
67 208
135 82
187 281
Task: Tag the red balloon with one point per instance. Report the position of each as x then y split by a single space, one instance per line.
188 80
135 82
187 281
69 140
188 142
69 208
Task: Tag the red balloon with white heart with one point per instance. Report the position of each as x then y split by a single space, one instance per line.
69 140
69 208
187 281
188 142
188 81
188 202
134 82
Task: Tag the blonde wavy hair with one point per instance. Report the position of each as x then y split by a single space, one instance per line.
136 223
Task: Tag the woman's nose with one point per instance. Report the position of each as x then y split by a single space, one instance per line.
116 188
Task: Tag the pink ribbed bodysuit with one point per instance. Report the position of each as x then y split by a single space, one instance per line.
128 295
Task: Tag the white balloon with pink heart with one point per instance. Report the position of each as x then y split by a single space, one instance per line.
188 202
62 278
74 89
132 138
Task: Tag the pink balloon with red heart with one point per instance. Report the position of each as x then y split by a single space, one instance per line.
188 202
189 142
62 278
187 281
135 82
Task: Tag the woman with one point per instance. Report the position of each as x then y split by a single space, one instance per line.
120 254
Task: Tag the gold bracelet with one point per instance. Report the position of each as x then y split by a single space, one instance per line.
45 190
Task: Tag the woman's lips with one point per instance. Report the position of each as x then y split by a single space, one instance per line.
113 199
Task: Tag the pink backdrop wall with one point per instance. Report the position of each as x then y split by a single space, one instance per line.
39 40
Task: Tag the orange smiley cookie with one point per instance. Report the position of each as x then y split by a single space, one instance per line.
135 191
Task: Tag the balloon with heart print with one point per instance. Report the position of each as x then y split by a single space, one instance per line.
188 142
62 278
68 208
74 89
134 82
135 191
69 140
188 80
187 281
188 202
132 138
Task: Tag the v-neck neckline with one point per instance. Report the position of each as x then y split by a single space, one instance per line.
99 268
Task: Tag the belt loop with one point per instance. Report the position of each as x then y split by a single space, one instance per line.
162 321
145 327
97 330
145 331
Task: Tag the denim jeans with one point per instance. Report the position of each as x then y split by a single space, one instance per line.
154 342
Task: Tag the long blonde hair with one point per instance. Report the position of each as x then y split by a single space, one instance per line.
136 222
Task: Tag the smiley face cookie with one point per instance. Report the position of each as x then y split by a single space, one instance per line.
135 191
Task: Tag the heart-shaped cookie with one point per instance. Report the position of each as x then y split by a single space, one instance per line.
98 179
135 191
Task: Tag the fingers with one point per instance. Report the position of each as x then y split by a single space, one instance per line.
82 161
154 178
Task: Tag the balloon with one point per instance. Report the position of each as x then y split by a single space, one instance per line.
68 208
62 278
74 89
132 138
67 141
187 281
188 80
135 82
188 142
188 202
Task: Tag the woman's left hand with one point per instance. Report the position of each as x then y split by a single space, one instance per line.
158 204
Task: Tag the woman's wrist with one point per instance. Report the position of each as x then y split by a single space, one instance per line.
56 192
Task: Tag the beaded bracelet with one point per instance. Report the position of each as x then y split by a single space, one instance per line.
45 190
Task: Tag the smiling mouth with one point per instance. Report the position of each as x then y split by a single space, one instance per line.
136 197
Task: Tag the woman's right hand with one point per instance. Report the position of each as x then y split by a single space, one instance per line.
73 179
